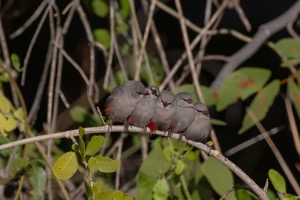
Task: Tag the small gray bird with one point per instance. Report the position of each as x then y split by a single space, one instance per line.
184 114
144 110
123 100
199 130
165 109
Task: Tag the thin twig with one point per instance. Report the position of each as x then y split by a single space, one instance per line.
32 43
276 152
74 64
111 50
33 17
185 187
242 14
193 44
293 124
142 49
41 87
161 52
90 38
64 99
291 31
215 154
253 140
264 32
119 156
223 197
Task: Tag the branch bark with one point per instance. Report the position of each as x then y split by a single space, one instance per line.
265 31
215 154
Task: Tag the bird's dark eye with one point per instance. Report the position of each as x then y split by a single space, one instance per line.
189 101
154 92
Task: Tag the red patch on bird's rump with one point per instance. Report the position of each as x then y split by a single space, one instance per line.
151 125
107 109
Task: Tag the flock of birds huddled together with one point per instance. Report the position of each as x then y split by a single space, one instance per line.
134 104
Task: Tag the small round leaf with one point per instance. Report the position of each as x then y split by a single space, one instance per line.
277 181
66 166
103 164
94 145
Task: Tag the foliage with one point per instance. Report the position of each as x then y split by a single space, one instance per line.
172 169
67 165
279 184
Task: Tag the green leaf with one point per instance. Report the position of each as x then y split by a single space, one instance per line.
298 77
19 114
271 195
219 176
37 180
15 60
17 165
66 166
5 105
294 94
187 88
88 189
81 144
150 171
241 84
145 186
179 167
114 195
102 36
210 96
8 123
81 132
277 181
103 164
261 104
100 8
97 188
289 47
243 194
122 28
218 122
4 78
94 145
161 190
78 114
149 166
124 9
192 155
120 77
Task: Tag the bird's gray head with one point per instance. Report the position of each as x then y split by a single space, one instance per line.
167 98
184 99
202 109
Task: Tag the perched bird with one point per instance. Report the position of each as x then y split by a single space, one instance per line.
165 109
123 100
144 110
184 114
199 130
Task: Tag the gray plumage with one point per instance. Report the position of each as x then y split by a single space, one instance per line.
144 110
199 130
184 114
165 109
123 100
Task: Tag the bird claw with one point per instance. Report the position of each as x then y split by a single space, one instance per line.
170 133
109 128
144 130
126 127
